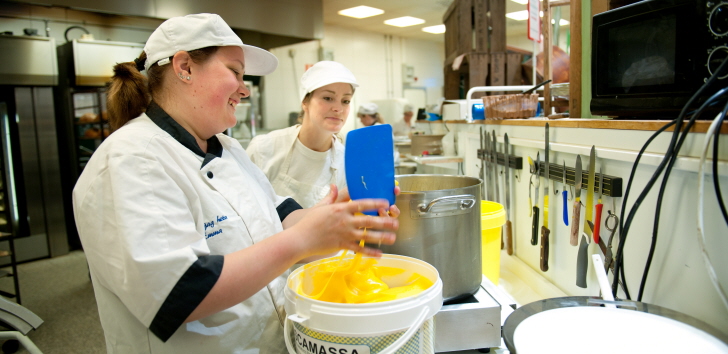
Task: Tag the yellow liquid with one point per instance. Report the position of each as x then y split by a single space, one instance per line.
355 281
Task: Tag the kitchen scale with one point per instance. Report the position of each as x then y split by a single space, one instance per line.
473 322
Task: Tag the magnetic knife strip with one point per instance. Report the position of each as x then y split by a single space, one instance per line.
612 184
515 162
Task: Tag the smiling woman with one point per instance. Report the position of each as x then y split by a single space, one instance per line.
304 160
188 244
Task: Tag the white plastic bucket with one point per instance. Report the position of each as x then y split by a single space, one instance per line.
398 326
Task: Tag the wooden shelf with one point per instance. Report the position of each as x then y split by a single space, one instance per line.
648 125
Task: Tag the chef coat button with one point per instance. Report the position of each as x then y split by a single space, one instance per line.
209 174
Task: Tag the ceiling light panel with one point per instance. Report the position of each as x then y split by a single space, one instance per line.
404 21
361 12
434 29
518 15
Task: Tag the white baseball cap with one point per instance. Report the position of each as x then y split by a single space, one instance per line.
198 31
324 73
368 108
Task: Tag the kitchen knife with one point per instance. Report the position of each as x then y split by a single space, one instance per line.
508 231
545 228
370 171
575 224
488 182
582 260
536 187
530 184
598 207
494 164
496 177
565 193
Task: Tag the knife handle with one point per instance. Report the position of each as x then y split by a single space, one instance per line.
575 224
597 222
509 238
566 207
545 248
534 227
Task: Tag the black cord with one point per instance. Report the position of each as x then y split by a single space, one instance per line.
625 224
658 207
716 180
624 207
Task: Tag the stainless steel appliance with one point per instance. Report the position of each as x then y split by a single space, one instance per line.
440 224
32 203
85 67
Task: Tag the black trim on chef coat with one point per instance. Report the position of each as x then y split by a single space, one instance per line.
189 292
214 149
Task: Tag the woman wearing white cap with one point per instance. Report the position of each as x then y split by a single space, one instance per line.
369 114
302 161
187 243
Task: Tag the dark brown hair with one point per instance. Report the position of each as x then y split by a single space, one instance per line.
130 92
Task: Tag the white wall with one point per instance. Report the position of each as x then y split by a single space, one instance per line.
376 61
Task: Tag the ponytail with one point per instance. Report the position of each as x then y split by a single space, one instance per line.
128 95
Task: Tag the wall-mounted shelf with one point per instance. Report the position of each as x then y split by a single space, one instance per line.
612 184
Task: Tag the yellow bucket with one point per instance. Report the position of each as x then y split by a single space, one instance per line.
492 217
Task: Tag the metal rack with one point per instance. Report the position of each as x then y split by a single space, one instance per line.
612 184
515 162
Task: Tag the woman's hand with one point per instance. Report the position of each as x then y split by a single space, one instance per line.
336 196
329 228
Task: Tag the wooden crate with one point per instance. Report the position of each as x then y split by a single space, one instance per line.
467 24
482 69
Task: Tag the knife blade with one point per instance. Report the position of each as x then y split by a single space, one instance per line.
508 231
496 178
598 207
576 215
565 193
536 187
483 162
582 260
545 228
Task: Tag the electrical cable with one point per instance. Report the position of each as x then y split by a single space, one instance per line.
658 207
701 222
624 203
625 224
716 180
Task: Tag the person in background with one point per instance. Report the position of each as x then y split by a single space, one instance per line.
302 161
404 126
187 243
369 114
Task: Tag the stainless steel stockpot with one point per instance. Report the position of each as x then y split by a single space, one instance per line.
440 224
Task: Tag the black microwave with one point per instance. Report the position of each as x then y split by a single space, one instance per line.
650 57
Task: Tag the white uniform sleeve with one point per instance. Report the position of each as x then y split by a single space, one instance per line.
142 243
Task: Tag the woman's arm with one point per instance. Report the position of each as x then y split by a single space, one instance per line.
324 230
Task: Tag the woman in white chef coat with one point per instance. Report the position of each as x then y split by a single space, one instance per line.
302 161
369 114
188 244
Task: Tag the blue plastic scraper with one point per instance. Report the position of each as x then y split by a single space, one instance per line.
369 162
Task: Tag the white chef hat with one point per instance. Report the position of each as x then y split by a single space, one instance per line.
198 31
324 73
408 108
368 108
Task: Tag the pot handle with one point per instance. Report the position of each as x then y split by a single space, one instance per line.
467 202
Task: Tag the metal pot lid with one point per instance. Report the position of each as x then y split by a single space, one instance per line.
580 324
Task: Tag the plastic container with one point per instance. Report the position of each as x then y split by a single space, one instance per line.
492 218
398 326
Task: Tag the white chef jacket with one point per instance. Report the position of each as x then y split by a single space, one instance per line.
400 128
155 215
273 153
